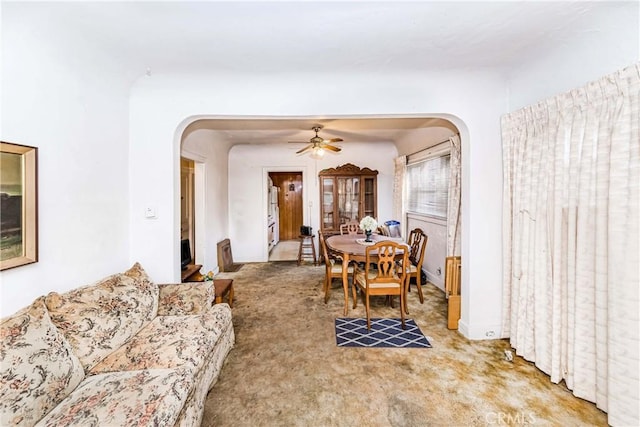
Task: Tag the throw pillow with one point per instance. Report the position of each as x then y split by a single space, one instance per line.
37 366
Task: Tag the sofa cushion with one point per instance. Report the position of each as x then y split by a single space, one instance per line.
178 299
152 397
99 318
170 341
149 290
37 366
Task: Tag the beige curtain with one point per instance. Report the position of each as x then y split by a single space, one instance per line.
571 236
398 191
455 186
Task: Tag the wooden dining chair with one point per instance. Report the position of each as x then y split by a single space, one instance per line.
417 244
388 277
412 234
333 267
351 227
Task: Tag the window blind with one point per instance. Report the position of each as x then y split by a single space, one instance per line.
428 186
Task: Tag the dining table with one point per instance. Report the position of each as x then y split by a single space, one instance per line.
352 248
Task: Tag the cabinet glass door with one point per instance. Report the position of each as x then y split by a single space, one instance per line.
348 199
369 197
327 203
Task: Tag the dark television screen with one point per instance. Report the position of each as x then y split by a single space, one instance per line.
185 253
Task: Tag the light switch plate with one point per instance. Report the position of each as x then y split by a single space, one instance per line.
150 212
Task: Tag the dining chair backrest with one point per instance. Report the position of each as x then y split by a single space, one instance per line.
325 252
323 247
333 266
418 244
412 234
351 227
385 256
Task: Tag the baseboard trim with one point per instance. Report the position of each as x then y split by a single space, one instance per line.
480 332
435 279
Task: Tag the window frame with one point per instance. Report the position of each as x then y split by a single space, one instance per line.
420 159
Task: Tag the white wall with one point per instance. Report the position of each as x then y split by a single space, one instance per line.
613 44
162 105
248 166
61 94
436 252
210 153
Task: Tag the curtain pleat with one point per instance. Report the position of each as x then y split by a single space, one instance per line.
454 202
398 194
571 240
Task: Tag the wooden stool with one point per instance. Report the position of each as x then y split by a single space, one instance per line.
223 287
307 248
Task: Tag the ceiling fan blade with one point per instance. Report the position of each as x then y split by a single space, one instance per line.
331 147
298 142
304 149
334 140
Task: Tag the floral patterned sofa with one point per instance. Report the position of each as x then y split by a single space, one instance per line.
121 352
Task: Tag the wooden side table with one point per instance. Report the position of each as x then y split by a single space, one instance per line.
223 287
192 273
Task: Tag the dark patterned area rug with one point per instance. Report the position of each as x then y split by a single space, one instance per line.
384 333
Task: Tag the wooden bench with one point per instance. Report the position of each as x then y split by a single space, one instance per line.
223 287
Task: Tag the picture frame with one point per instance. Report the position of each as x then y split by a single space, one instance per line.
18 205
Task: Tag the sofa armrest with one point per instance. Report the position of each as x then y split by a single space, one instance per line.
178 299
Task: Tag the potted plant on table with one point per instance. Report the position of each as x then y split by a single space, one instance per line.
368 224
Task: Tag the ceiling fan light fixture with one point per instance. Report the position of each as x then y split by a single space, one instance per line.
319 145
317 153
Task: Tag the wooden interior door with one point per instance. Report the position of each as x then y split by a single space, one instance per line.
289 203
187 205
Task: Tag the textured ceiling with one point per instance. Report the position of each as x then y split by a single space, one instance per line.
319 37
326 36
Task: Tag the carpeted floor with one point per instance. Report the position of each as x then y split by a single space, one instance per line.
286 370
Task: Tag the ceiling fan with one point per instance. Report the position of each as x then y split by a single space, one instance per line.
318 144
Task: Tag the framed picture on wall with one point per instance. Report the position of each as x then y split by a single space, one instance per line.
18 205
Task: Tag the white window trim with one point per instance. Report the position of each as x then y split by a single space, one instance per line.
434 219
439 150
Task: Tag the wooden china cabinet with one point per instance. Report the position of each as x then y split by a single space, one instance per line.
346 193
